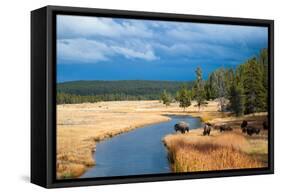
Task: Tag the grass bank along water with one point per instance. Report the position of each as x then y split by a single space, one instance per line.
137 152
80 126
219 151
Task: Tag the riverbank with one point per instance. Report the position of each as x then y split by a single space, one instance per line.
228 150
80 126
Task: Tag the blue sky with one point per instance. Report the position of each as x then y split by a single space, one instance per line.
96 48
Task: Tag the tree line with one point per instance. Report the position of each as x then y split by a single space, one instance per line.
93 91
67 98
242 90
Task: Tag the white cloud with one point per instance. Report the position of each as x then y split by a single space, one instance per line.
93 39
146 54
91 51
83 26
81 50
217 34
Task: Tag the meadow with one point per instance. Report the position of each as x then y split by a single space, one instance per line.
221 150
81 126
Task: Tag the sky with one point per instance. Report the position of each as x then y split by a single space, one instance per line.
98 48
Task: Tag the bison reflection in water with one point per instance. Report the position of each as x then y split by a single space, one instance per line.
182 127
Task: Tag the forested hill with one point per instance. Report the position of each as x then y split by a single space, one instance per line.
120 90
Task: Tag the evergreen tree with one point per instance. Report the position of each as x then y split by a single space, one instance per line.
183 96
166 98
221 88
210 87
217 86
229 79
199 91
208 90
237 99
263 60
255 92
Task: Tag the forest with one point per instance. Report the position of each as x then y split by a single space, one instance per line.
93 91
246 87
242 90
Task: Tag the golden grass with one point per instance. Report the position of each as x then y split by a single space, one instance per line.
219 152
228 150
80 126
76 142
70 170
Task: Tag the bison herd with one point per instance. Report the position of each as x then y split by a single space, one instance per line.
250 130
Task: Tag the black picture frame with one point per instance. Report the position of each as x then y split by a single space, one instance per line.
43 95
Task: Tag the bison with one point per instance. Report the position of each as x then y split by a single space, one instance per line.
243 125
225 127
251 130
265 125
207 129
182 127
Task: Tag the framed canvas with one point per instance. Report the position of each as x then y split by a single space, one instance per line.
126 96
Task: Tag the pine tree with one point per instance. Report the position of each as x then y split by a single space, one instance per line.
199 92
221 88
229 79
210 86
166 98
217 86
183 96
263 60
237 98
208 90
255 92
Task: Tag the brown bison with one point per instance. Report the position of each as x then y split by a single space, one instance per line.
207 129
182 127
243 125
265 125
251 130
225 127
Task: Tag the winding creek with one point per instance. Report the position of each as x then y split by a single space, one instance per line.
137 152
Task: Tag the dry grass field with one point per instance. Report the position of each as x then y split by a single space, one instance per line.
227 150
80 126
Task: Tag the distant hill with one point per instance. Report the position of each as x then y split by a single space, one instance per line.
121 90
